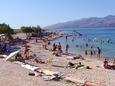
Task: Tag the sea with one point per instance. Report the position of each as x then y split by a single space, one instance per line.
104 38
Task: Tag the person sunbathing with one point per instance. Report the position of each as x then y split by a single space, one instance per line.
75 65
70 64
79 65
114 62
19 57
107 66
38 60
113 66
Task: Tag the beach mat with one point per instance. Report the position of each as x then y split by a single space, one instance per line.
27 66
58 66
73 78
30 67
48 72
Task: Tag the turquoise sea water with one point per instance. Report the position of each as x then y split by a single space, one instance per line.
95 37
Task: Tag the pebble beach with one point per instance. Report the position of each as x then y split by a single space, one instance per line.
12 74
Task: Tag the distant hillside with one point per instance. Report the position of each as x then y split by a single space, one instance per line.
92 22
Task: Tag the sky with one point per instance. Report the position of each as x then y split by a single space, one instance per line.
19 13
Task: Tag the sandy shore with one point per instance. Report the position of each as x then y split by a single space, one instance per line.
12 74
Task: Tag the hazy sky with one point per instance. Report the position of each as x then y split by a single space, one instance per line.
47 12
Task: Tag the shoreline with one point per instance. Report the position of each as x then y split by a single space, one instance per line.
104 55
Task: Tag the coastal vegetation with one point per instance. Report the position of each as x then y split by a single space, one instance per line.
32 30
7 30
28 30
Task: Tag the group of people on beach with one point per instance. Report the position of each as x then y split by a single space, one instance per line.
24 53
92 52
5 45
106 64
58 48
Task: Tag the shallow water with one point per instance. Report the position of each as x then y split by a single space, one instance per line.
104 38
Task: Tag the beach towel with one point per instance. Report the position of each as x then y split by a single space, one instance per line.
52 75
3 56
48 72
92 84
27 66
30 67
74 80
79 67
58 66
70 57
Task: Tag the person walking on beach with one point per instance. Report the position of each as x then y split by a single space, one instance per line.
54 47
26 51
67 47
98 52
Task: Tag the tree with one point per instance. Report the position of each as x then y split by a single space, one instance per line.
27 31
36 30
6 29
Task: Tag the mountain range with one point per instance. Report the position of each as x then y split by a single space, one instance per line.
92 22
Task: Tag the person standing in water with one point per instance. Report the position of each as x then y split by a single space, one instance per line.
98 52
60 47
66 38
67 47
54 47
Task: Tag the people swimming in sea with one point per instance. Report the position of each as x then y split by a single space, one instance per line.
73 40
86 44
49 42
77 45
